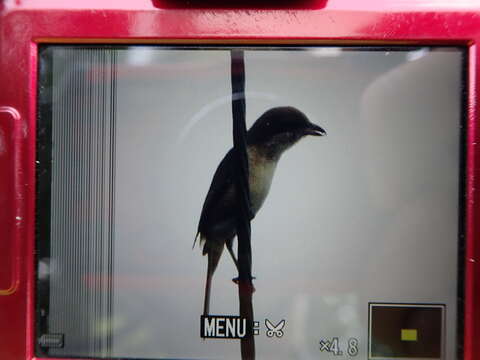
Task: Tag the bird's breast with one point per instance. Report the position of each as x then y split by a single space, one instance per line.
261 171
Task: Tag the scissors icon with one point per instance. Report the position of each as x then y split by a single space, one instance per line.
276 330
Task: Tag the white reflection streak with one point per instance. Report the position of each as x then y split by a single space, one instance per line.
327 52
417 54
199 115
140 57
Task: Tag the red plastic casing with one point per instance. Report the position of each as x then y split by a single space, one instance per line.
26 24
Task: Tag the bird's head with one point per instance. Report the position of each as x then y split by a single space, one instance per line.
281 127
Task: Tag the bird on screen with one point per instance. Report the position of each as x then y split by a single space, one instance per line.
275 131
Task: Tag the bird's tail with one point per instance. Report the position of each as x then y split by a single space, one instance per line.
197 237
214 254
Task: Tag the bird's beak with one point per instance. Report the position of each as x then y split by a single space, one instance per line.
315 130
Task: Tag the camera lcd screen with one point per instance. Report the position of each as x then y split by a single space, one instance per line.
355 172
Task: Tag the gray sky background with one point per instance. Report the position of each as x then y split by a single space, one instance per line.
367 214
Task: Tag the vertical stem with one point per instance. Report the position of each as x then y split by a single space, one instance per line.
245 287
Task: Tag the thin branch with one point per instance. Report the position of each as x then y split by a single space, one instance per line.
245 287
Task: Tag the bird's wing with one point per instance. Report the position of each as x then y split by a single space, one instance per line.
221 182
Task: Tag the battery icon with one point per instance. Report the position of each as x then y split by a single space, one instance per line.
406 331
